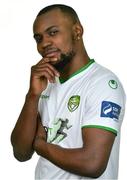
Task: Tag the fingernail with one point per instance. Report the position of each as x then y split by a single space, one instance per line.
57 74
54 59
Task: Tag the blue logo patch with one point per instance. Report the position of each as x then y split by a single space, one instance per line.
110 110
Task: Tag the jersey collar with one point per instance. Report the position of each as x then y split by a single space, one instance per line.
91 61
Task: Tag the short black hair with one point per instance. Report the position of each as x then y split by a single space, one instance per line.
67 10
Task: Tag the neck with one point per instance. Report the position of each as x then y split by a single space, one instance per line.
79 60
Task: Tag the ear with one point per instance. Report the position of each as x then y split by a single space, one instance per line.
77 31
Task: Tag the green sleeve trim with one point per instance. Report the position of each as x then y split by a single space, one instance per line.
101 127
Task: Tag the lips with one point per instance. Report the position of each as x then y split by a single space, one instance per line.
51 52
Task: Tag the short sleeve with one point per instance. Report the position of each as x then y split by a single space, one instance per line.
105 104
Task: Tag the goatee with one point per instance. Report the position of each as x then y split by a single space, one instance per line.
64 60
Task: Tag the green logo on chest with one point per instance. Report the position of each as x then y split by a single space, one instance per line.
73 103
113 84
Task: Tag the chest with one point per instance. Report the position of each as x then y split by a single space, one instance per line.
63 113
67 101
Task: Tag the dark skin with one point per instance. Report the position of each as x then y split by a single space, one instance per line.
56 34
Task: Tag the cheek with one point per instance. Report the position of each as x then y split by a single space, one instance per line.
39 49
65 44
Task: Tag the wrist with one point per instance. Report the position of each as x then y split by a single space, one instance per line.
32 96
40 146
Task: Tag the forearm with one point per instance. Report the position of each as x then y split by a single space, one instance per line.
78 161
68 159
25 129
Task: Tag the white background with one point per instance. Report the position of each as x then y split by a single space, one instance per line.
105 38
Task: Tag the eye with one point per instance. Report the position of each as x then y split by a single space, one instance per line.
53 32
38 38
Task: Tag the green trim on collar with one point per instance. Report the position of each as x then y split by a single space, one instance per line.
101 127
91 61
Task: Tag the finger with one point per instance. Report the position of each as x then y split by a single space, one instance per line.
47 65
46 60
47 76
50 60
44 74
41 69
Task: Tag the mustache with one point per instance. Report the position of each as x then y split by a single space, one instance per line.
49 50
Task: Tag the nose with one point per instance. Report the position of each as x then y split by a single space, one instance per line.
46 42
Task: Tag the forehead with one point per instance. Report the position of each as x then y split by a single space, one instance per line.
51 18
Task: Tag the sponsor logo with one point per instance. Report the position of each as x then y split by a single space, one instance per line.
73 103
110 110
113 84
58 131
44 96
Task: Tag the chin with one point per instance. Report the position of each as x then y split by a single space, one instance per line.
61 64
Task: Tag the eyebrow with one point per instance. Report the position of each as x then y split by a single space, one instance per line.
48 29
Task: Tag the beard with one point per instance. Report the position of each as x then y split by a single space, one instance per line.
64 60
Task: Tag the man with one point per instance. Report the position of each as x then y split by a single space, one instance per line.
74 107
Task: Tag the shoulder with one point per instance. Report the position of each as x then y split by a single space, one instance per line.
103 77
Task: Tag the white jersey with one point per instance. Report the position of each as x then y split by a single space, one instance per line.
91 97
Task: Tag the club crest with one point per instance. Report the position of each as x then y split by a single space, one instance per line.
73 103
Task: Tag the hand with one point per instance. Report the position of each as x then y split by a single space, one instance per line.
41 132
39 144
41 73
